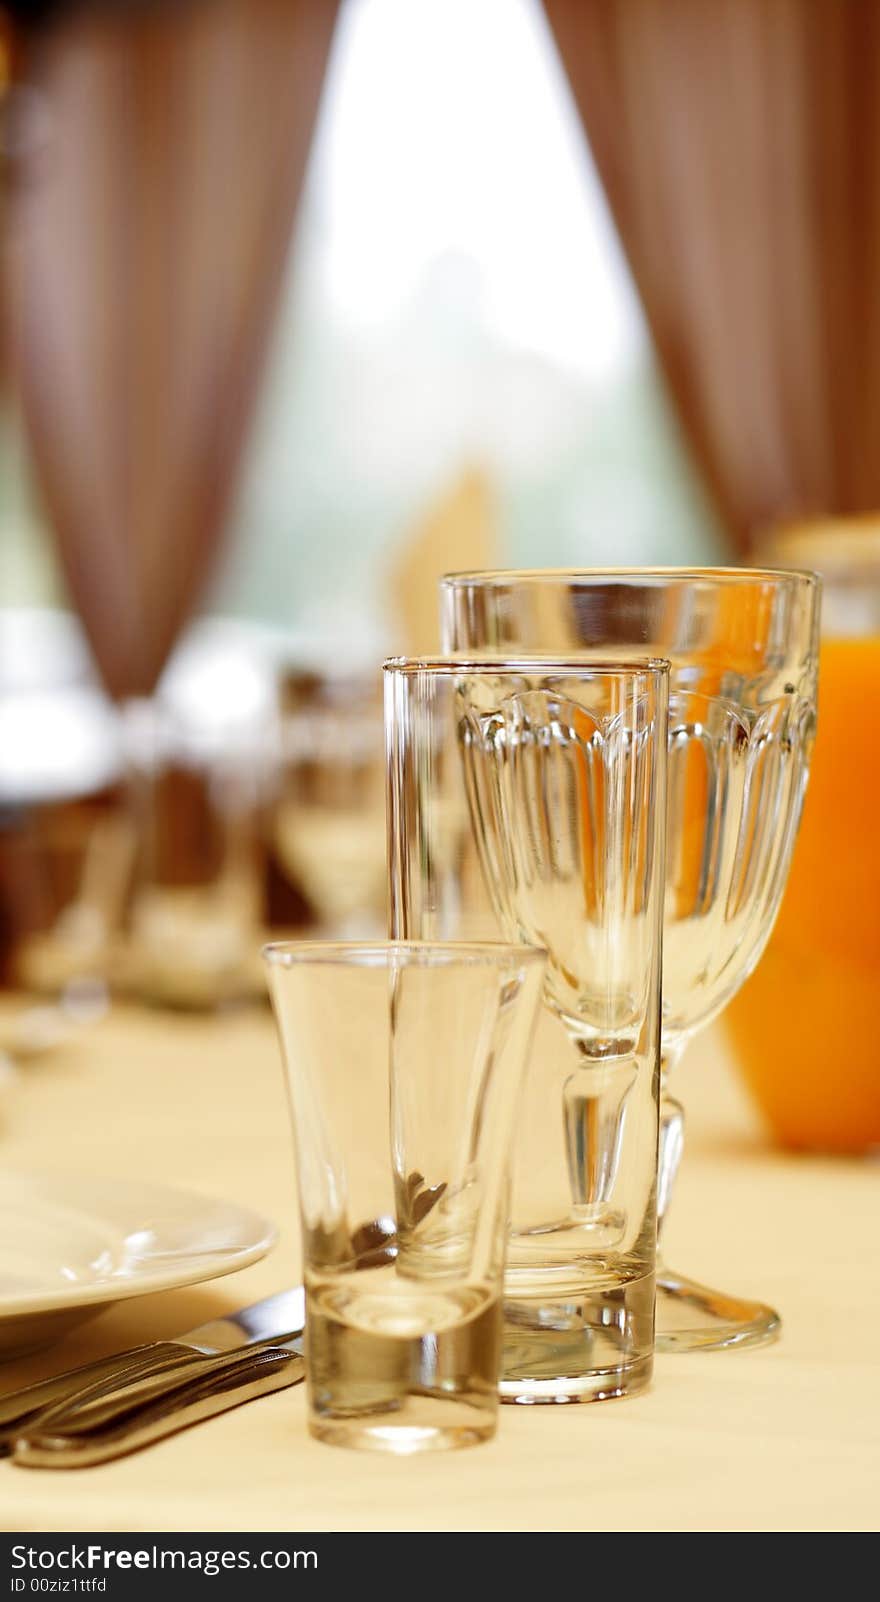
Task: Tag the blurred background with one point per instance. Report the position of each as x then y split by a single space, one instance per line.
305 304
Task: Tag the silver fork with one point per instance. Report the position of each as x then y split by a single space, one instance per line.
275 1320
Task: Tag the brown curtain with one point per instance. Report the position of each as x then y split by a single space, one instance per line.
739 145
162 150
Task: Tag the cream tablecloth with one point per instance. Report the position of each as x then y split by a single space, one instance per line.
786 1438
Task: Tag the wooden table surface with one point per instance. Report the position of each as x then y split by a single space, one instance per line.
785 1438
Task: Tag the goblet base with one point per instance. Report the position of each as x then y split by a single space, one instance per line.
559 1387
693 1318
596 1343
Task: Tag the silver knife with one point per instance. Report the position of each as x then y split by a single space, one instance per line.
113 1386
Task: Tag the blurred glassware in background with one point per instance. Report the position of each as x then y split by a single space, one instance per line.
202 759
147 846
329 818
806 1027
75 961
65 849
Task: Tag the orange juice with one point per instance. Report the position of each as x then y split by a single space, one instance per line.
806 1026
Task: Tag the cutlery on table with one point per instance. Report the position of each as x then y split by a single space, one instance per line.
103 1411
99 1425
275 1321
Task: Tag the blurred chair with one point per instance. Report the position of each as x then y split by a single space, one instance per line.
458 532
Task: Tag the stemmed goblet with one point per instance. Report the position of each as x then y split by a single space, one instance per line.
743 648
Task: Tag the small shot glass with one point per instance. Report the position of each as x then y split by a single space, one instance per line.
404 1061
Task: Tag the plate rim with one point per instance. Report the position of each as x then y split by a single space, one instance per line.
263 1233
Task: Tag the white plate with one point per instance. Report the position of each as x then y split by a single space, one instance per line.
68 1246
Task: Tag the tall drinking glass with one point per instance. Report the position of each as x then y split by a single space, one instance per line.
330 811
528 797
404 1063
743 647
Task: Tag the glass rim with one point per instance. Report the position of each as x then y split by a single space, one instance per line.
723 575
379 953
579 666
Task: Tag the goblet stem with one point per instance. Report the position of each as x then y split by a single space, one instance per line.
594 1104
671 1144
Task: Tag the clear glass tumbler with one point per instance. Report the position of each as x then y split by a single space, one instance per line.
743 648
404 1064
197 797
329 816
527 797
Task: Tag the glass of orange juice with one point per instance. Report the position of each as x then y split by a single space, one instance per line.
806 1026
